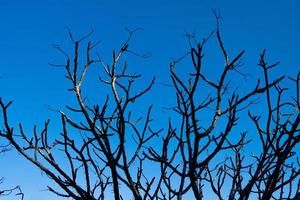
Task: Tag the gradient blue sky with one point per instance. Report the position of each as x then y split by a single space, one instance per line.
30 28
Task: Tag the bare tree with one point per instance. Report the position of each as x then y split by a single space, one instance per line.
189 149
274 172
191 157
102 156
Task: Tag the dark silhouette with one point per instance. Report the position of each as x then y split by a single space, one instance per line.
199 152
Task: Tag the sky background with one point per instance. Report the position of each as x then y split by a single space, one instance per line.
28 30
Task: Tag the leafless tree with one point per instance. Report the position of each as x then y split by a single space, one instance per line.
190 156
101 157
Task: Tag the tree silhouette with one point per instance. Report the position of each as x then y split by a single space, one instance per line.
198 152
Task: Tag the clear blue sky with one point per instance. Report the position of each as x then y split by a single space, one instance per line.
30 28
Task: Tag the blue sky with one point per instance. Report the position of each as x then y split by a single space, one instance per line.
30 28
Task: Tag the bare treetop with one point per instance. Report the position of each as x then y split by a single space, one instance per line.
109 148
